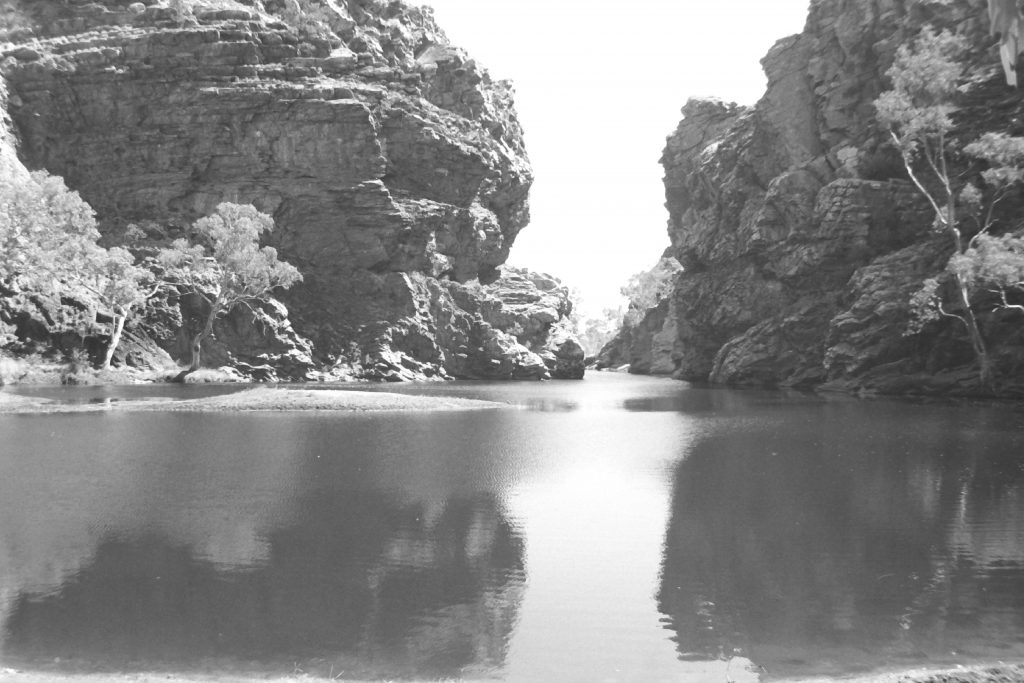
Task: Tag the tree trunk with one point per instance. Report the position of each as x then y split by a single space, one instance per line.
974 332
115 339
970 320
197 341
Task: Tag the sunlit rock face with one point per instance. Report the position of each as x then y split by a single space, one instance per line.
801 237
389 160
532 311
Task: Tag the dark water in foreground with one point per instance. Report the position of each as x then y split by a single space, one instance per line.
616 529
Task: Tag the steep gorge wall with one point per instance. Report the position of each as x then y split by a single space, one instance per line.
393 165
801 238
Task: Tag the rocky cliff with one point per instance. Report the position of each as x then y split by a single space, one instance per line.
802 238
392 164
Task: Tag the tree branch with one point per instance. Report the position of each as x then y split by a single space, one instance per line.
942 311
913 177
944 175
1007 304
983 229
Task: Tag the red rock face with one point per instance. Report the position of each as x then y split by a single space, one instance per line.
382 152
800 235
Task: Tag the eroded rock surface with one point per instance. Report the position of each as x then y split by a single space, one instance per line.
392 164
800 235
531 310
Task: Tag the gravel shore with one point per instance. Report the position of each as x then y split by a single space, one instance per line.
258 399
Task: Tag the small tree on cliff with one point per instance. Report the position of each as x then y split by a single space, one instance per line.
227 267
926 82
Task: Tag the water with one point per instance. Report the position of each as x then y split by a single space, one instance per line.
615 529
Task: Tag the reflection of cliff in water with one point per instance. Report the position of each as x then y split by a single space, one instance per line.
816 545
375 544
363 585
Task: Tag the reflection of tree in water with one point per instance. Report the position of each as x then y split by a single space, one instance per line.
834 542
361 584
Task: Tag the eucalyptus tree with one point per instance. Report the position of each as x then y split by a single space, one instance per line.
50 245
927 78
225 267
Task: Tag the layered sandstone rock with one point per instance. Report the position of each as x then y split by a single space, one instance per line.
531 310
801 237
391 162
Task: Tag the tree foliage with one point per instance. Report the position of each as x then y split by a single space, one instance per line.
225 267
44 229
926 78
646 289
594 331
121 286
52 254
51 249
995 264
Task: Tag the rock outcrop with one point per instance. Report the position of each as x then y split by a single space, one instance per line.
530 311
800 235
392 164
647 347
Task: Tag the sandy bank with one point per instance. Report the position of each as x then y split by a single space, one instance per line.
12 676
13 402
258 399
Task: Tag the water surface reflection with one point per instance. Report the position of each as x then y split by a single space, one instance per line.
616 529
259 543
400 593
850 536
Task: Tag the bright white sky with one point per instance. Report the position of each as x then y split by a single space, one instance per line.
599 85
